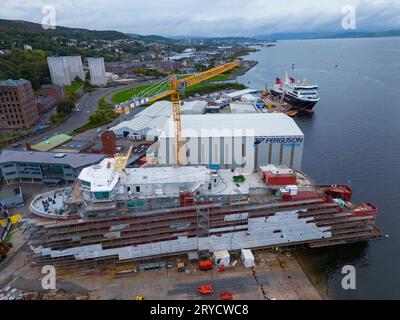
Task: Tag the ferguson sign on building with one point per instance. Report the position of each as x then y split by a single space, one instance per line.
234 140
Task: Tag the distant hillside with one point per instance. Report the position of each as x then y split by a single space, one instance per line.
329 35
17 31
149 38
215 39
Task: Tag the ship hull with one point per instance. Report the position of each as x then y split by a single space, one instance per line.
298 104
208 228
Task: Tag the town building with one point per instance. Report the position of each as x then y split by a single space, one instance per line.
50 143
44 167
54 91
75 146
65 69
97 71
45 104
17 104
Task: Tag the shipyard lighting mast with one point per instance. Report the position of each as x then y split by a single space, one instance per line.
178 87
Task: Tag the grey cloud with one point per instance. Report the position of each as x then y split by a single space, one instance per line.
208 17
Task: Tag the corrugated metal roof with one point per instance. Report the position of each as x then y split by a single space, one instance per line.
196 106
240 93
52 142
229 124
13 83
242 108
157 109
75 160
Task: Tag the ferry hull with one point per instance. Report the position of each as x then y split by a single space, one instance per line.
298 104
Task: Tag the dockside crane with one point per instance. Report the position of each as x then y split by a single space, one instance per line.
177 88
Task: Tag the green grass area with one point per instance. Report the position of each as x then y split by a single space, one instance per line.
103 104
127 94
75 86
99 118
57 118
105 114
220 77
200 88
208 87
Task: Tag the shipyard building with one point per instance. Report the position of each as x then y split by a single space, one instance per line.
234 141
149 122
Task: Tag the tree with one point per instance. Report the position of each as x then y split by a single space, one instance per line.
65 106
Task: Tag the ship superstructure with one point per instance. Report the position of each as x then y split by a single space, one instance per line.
299 94
124 215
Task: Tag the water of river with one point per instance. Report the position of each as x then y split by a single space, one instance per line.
354 138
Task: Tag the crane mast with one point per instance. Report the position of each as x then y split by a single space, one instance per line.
178 87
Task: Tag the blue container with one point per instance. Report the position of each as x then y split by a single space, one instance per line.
214 166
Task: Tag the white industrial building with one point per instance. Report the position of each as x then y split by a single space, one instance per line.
63 70
97 71
242 108
150 122
238 94
235 140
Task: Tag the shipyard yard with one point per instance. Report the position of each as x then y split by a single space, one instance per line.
114 230
276 276
114 224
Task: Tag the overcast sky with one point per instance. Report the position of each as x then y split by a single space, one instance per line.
208 17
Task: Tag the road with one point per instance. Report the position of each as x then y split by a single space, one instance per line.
86 106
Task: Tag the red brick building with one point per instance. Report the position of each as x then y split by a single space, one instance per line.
17 104
54 91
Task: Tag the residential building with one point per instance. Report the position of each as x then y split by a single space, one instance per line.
75 146
17 104
50 143
44 167
45 104
54 91
97 71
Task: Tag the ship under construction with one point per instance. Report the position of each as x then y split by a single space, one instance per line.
119 215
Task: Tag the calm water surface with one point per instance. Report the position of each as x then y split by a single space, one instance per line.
354 138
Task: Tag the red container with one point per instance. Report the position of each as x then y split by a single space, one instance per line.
279 179
205 265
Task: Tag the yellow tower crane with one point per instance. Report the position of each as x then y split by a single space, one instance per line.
178 87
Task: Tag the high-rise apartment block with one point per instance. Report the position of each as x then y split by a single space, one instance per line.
17 104
97 71
64 70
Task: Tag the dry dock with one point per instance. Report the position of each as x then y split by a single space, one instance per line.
275 105
275 276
